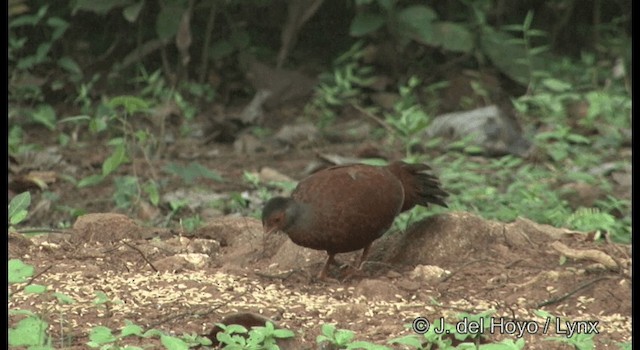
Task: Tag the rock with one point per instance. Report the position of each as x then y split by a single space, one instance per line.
296 134
490 128
105 227
247 144
372 289
428 273
181 262
203 246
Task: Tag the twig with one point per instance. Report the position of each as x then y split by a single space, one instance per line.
32 279
369 115
44 229
208 33
570 293
142 255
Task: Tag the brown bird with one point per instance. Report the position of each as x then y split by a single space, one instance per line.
345 208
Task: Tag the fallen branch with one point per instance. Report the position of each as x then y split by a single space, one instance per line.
142 255
588 254
33 279
568 294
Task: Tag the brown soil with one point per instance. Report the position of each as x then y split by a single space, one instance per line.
442 266
185 283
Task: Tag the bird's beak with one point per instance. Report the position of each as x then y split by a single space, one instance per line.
270 230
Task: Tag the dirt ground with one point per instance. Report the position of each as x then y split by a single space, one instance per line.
184 283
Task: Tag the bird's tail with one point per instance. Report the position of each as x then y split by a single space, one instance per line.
420 187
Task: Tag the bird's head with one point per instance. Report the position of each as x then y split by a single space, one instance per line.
278 214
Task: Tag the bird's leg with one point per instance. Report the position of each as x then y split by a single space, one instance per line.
325 269
363 257
358 267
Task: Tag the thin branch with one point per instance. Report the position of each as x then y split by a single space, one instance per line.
570 293
33 279
142 255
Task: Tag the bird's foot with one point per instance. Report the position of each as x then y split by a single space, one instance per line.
349 271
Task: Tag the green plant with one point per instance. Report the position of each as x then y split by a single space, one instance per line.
624 346
131 140
418 23
530 52
409 118
591 219
342 86
191 172
18 209
343 339
236 337
104 338
190 224
32 41
32 330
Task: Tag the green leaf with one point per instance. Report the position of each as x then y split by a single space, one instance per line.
453 36
42 51
63 298
19 272
97 125
367 346
19 203
365 23
112 163
18 217
59 27
527 21
35 289
410 340
131 104
416 22
556 85
67 63
30 331
283 333
101 335
21 312
328 330
153 333
577 138
151 189
344 336
131 12
101 298
168 21
192 171
25 20
506 57
90 181
236 328
130 329
45 115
